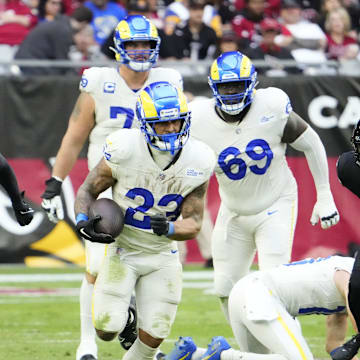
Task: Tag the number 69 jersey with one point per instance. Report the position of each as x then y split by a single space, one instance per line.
115 102
143 189
251 170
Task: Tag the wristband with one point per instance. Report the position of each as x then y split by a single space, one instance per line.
81 217
171 230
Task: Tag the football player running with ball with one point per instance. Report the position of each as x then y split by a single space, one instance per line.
249 129
106 103
155 178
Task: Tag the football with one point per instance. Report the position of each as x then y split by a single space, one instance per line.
112 217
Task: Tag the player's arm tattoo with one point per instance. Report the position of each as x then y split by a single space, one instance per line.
84 107
77 109
192 210
97 181
193 205
294 127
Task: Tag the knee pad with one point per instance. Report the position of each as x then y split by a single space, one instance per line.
160 328
112 322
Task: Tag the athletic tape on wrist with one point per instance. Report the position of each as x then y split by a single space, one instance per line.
81 217
171 230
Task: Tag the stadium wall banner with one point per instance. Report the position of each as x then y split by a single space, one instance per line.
34 119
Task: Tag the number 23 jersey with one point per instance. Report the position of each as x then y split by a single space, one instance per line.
115 102
251 169
143 189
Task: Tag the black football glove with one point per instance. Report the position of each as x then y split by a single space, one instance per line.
159 224
53 188
348 350
52 203
85 229
23 212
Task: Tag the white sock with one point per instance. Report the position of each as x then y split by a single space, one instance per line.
232 354
87 331
199 352
139 350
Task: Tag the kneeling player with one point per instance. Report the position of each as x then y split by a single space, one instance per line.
263 305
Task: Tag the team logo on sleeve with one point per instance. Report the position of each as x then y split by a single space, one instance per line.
84 81
109 87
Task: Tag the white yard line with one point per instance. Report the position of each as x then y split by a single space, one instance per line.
192 280
25 278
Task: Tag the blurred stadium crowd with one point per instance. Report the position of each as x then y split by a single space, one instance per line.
304 31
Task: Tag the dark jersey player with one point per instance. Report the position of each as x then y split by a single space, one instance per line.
348 170
23 212
348 165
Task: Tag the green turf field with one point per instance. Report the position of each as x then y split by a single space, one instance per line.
39 317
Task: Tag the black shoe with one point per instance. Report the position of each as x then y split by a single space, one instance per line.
128 336
348 350
88 357
160 356
209 263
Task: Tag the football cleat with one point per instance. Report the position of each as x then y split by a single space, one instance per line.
88 357
348 350
160 356
215 348
86 351
183 350
128 336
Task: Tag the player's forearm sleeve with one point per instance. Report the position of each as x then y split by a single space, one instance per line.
8 181
309 142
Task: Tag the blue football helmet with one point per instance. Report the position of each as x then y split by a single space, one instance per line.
237 69
163 102
136 28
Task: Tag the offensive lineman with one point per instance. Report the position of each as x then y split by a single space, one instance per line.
156 174
106 103
248 129
263 305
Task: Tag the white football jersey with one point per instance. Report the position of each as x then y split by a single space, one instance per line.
143 189
115 102
251 170
307 286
